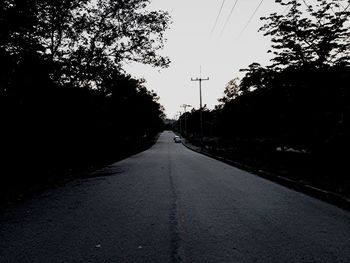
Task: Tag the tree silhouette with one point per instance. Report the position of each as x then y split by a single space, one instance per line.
232 91
317 37
84 39
63 90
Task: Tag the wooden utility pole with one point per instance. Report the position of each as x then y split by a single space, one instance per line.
200 106
179 121
185 106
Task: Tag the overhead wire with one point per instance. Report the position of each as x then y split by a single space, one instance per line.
345 11
306 4
251 17
217 17
347 7
229 17
341 5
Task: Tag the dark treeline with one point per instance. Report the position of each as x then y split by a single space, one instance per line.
293 116
65 101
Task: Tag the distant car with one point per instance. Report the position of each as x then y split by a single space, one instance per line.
177 139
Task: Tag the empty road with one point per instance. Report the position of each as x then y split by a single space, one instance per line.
169 204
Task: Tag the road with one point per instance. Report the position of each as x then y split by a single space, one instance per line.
169 204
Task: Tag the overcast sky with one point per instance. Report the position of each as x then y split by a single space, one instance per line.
220 54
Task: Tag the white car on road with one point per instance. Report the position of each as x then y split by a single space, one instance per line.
177 139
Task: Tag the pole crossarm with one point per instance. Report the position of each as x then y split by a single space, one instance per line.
185 106
200 105
199 79
200 89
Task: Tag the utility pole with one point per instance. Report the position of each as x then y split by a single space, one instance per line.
179 120
200 106
185 107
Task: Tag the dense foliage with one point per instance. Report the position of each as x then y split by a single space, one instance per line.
65 100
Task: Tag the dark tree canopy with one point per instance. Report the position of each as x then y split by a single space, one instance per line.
84 39
307 35
65 100
232 91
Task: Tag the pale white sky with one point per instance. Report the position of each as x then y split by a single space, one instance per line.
190 45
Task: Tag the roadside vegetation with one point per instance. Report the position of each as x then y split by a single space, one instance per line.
291 117
66 104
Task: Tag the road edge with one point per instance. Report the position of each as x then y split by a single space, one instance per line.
324 195
84 173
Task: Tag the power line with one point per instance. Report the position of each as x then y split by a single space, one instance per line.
341 5
217 18
309 9
251 18
347 7
228 18
308 6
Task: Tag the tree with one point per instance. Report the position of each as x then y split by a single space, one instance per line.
83 40
301 98
256 77
91 37
232 91
317 37
131 107
64 97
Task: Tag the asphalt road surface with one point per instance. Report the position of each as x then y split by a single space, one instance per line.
169 204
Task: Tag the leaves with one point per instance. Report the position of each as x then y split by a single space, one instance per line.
317 36
85 38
